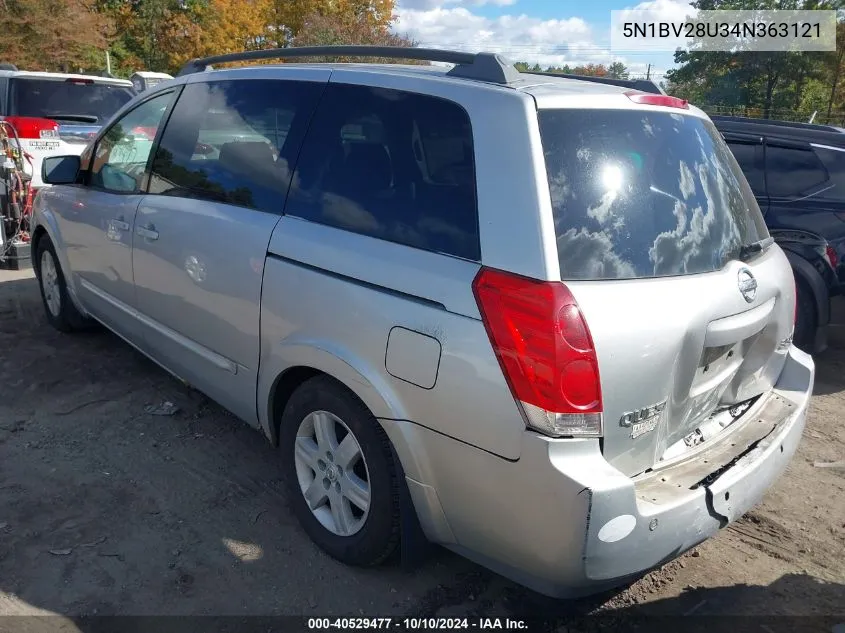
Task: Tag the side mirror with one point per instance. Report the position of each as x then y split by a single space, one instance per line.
60 170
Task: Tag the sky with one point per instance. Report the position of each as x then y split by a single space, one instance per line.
548 32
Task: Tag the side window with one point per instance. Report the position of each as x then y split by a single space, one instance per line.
834 162
393 165
120 157
234 142
792 171
748 156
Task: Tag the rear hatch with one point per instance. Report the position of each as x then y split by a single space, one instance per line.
655 228
54 112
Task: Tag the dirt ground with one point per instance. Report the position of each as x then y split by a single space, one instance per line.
106 509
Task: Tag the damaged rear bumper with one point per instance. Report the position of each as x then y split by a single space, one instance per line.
564 522
676 507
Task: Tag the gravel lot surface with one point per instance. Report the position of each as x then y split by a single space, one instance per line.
106 509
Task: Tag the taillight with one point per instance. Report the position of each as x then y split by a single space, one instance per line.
33 127
646 98
545 350
832 257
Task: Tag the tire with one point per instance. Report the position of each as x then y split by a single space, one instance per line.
322 407
60 311
806 322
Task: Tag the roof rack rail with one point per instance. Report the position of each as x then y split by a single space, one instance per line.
643 85
819 127
488 67
7 66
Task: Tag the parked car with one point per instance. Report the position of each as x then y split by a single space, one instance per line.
56 114
797 173
814 259
144 80
540 318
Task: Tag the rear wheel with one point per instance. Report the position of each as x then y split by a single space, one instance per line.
806 321
340 474
61 313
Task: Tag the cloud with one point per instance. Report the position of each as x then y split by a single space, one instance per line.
570 40
520 37
664 9
592 255
651 12
425 5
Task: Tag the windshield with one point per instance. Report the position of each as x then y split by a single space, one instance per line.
644 194
49 99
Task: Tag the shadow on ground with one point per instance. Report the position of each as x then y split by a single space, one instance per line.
830 372
736 609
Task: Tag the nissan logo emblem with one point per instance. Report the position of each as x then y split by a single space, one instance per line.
747 285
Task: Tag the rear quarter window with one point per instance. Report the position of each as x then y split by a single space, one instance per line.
834 163
392 165
793 171
637 193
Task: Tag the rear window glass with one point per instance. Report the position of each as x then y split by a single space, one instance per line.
644 194
51 99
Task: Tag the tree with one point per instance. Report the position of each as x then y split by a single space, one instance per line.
771 80
348 28
591 70
52 34
286 18
565 69
617 70
229 26
155 34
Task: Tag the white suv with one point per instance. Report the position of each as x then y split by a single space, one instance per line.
57 114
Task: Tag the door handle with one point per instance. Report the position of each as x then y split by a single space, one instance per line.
148 233
120 225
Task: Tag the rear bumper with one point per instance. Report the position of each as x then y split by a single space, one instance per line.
564 522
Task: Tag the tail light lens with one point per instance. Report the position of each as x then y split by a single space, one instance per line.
832 257
34 128
545 350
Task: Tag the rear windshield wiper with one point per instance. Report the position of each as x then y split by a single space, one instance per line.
747 250
81 118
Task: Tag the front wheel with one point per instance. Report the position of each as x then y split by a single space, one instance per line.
340 473
61 313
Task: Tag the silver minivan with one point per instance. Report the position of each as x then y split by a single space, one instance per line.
545 312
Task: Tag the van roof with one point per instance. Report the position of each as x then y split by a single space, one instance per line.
58 76
148 74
